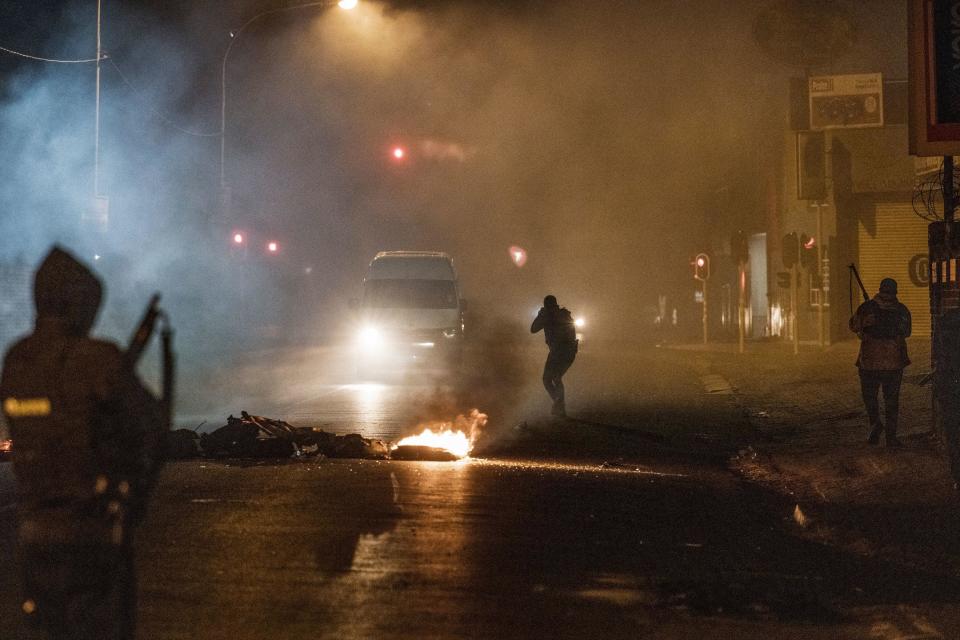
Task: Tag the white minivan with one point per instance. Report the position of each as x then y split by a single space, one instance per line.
410 313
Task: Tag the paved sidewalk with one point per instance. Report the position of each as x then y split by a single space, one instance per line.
810 442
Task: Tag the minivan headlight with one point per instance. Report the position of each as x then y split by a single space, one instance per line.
370 338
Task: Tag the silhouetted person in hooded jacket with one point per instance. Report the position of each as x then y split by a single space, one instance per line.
560 333
883 325
86 437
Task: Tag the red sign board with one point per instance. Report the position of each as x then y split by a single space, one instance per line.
934 60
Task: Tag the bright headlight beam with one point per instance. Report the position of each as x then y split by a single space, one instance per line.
371 338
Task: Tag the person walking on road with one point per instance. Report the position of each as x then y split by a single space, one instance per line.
560 333
883 325
88 439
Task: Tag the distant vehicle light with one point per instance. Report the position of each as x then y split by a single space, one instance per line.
371 338
347 4
238 238
273 247
399 153
580 322
518 255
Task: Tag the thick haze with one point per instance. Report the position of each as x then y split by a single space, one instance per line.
591 134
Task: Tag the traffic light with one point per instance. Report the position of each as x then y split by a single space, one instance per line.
791 245
701 267
783 279
808 252
739 247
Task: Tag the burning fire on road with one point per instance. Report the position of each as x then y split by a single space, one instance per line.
442 440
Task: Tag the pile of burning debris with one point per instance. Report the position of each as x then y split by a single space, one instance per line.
252 436
258 437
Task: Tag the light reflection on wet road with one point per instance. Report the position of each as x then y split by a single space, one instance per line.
537 546
318 388
361 549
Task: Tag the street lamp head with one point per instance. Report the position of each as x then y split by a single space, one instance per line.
347 4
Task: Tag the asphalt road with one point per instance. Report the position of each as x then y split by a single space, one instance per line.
539 539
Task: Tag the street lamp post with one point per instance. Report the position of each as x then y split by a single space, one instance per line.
234 36
96 146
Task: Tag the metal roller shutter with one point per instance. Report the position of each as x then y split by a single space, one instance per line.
897 246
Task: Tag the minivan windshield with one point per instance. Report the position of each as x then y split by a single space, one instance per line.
410 294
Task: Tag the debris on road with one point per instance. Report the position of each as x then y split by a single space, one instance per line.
258 437
252 436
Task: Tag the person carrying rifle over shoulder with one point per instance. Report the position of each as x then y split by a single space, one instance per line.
87 449
883 324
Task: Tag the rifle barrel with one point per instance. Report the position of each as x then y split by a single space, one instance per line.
863 289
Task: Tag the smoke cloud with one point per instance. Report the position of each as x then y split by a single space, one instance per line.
590 134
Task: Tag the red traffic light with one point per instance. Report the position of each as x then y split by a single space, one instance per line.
398 153
701 267
518 255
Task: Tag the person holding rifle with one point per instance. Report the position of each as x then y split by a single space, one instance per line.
883 325
88 442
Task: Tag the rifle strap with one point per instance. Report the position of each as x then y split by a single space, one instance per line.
850 288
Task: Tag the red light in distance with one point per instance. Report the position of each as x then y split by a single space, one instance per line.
398 153
238 238
518 255
273 247
809 244
701 262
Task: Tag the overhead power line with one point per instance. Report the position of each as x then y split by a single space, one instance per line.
105 57
158 114
42 59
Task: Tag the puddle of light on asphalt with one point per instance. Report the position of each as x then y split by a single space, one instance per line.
574 468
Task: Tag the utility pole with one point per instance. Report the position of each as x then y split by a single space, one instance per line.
795 301
96 144
741 302
704 282
701 272
821 333
948 196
